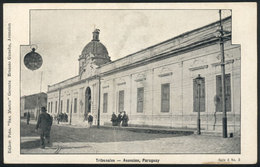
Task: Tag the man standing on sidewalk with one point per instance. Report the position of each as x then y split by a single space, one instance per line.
90 120
119 118
44 124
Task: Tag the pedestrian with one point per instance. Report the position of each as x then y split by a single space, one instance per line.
90 119
44 124
125 119
28 117
119 118
62 117
114 119
58 118
66 117
85 117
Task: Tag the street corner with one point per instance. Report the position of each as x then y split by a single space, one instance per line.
31 144
75 147
53 149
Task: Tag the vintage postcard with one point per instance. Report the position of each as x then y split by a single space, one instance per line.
130 83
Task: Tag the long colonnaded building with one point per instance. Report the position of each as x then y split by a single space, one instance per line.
156 86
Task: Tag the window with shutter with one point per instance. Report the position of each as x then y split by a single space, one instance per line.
75 105
196 96
105 103
140 99
51 107
56 107
165 97
121 101
227 92
61 106
68 105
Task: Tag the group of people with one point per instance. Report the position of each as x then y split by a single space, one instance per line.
122 117
62 117
45 120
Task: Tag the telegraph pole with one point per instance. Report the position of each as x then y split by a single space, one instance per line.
224 113
71 111
198 130
39 105
59 107
99 89
41 83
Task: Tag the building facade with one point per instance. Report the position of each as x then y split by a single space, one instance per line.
33 103
156 86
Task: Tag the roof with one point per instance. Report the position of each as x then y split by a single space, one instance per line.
206 31
171 39
95 47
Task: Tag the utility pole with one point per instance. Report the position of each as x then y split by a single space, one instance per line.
39 95
36 116
41 83
198 82
99 88
224 113
59 107
71 111
198 130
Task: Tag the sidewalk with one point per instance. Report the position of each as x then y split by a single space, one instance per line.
107 139
191 144
146 129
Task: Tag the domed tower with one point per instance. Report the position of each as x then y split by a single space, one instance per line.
94 53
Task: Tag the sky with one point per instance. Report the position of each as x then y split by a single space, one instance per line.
60 36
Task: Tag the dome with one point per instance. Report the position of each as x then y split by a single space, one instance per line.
96 50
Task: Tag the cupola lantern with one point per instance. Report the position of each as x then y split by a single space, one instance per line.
96 35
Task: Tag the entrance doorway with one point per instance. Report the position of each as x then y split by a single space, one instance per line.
196 98
88 100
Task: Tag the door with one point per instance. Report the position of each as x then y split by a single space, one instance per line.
88 100
227 92
121 101
199 102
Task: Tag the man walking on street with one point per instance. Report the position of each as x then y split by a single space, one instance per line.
44 124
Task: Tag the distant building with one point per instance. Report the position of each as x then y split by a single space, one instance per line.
156 85
33 103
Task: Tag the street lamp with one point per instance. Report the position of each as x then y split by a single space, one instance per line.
198 82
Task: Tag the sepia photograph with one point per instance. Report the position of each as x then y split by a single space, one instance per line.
113 83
